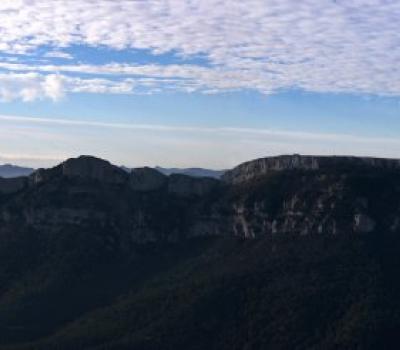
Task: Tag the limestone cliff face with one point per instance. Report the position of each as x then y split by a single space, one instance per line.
139 179
311 204
87 192
296 195
263 166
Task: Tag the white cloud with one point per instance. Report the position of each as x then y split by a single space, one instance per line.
267 45
30 86
53 87
33 86
58 54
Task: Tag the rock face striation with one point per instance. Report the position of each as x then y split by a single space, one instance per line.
301 195
264 166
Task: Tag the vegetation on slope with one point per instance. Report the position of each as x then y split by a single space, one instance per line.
288 292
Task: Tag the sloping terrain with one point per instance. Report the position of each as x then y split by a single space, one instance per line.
283 293
92 257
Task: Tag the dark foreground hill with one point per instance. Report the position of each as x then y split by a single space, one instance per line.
289 253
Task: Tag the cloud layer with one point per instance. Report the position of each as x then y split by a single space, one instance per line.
337 46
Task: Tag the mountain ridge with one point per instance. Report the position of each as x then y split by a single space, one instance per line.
10 171
288 194
94 258
262 166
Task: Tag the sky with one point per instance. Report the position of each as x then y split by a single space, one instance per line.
205 83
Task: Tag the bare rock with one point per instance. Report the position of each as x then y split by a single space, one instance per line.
255 168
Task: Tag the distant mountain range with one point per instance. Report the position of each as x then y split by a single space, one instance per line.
194 172
9 170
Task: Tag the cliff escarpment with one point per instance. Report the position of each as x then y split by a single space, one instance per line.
278 195
263 166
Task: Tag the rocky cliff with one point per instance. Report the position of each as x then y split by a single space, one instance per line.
290 194
264 166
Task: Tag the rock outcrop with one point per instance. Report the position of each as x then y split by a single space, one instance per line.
93 168
263 166
139 179
83 167
323 195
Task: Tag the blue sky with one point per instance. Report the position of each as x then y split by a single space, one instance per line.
197 83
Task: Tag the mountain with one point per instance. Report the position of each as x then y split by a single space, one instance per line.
281 253
8 170
298 194
195 172
264 166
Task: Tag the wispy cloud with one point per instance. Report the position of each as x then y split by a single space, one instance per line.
292 135
180 145
58 54
338 46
